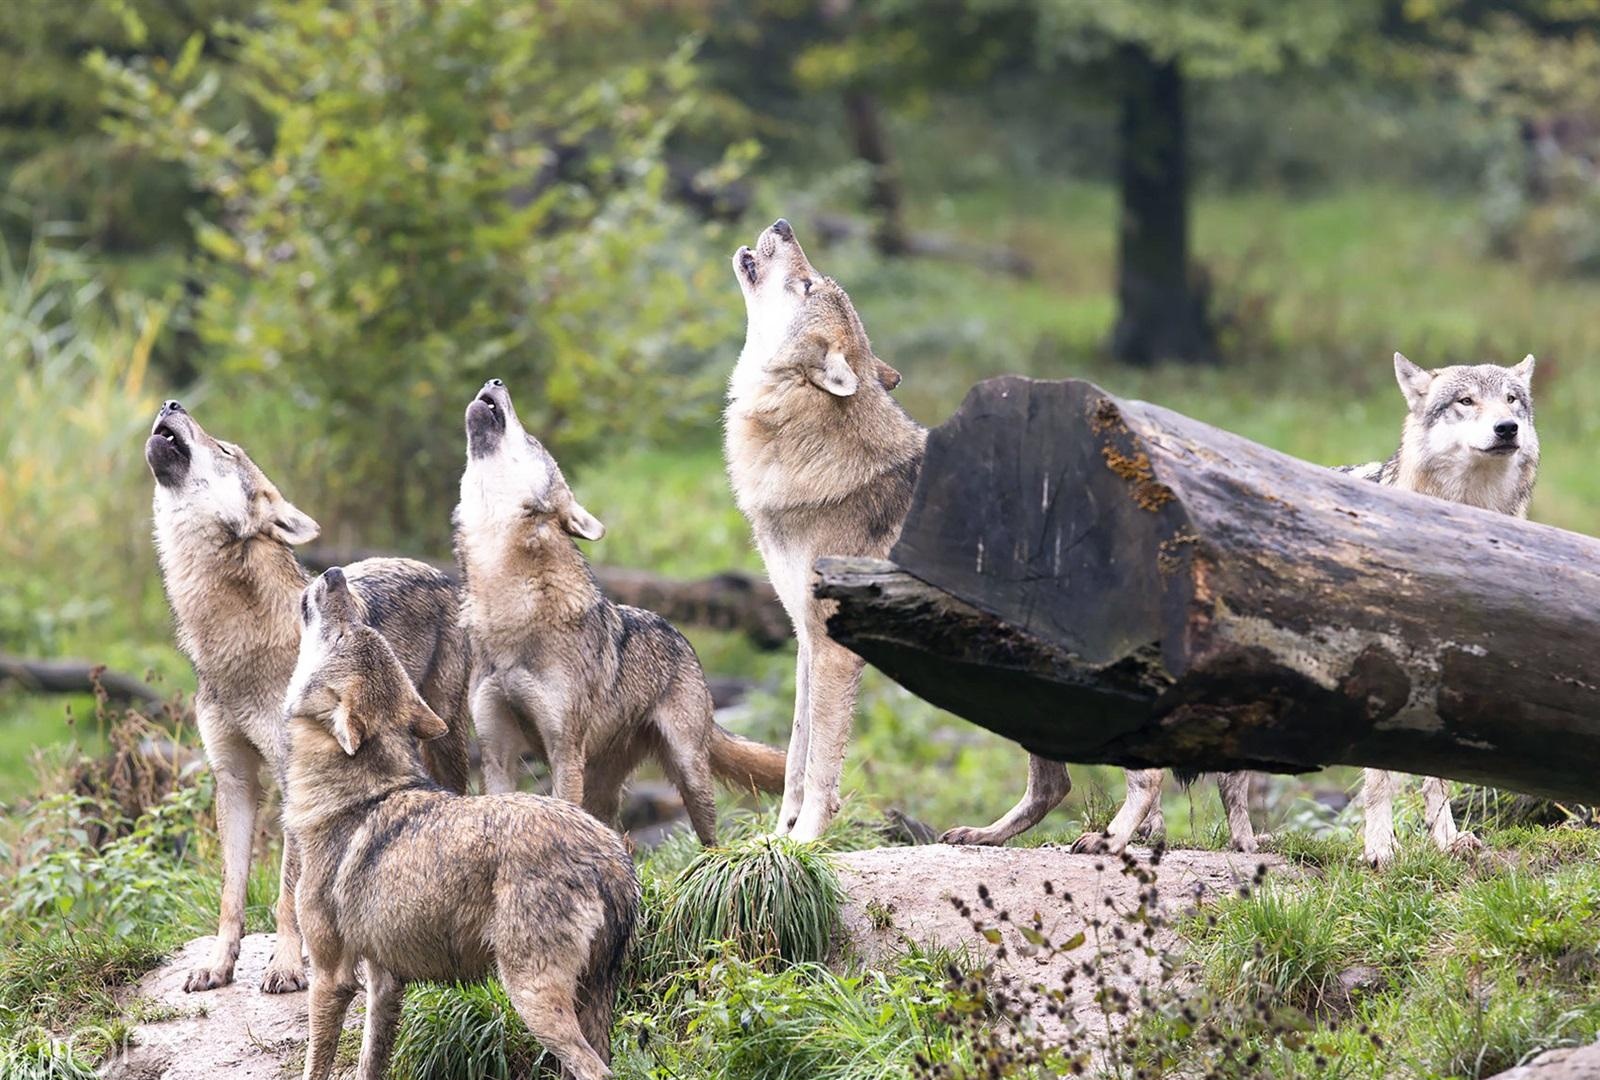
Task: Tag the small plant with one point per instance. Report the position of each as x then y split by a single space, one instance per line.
468 1031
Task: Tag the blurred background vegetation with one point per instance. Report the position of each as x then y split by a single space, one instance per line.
322 225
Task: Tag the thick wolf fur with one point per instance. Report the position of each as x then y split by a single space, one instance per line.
411 881
823 462
223 535
1468 437
591 686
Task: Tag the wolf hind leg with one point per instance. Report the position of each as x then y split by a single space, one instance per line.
237 766
1048 784
547 1002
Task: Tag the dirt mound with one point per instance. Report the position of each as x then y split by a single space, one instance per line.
901 896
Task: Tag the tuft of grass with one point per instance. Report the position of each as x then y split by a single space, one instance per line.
1284 941
773 899
467 1031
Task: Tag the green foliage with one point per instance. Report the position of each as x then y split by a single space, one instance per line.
57 168
734 1019
441 200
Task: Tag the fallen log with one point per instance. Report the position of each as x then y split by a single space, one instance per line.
1108 581
77 677
732 600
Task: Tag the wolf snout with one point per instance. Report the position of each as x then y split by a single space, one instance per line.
1505 430
783 228
169 407
333 579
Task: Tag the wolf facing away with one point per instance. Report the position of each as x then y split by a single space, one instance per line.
410 881
1468 437
223 536
823 462
590 686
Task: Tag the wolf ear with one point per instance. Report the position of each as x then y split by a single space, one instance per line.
888 376
1524 370
580 523
834 374
289 523
346 728
425 723
1414 381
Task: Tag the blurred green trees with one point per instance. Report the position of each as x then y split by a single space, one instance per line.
442 194
57 166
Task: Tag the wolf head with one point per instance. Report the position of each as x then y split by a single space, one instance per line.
348 687
1469 432
511 480
204 483
799 323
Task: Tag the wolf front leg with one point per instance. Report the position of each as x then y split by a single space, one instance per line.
236 764
833 680
1048 784
286 972
500 737
794 770
1141 804
1234 789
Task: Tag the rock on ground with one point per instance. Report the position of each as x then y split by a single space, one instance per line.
237 1031
1568 1063
900 896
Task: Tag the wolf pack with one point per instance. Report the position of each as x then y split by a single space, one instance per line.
361 689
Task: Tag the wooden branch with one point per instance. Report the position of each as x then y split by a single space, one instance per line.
77 677
732 600
1109 581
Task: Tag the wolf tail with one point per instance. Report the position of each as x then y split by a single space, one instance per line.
744 763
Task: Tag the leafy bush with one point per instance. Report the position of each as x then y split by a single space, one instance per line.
456 191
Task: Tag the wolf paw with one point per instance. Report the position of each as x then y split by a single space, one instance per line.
1464 846
283 978
1093 843
1380 858
969 836
208 977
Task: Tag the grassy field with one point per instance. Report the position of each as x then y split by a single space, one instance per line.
1316 294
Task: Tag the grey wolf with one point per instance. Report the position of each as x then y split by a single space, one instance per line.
224 535
823 462
591 686
1468 437
415 882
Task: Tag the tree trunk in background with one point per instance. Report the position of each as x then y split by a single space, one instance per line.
884 197
1161 312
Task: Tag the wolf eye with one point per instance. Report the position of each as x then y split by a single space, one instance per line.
1465 399
224 449
1512 398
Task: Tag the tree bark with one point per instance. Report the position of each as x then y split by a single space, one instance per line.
1161 304
884 195
731 600
1109 581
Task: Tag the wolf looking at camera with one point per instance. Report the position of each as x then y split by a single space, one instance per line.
1468 437
591 686
403 880
224 537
